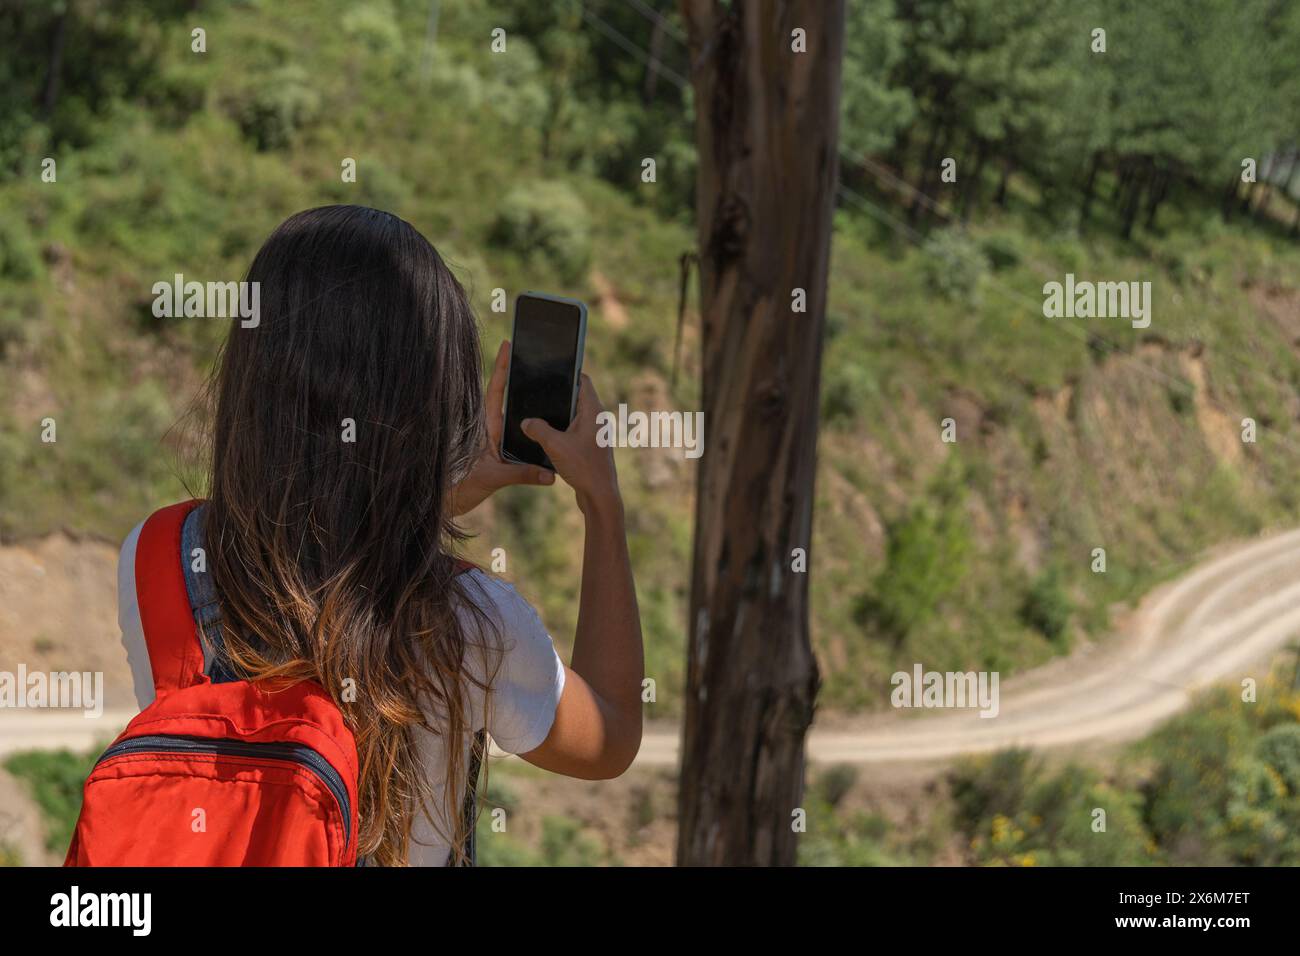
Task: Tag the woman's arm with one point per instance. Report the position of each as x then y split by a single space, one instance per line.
597 728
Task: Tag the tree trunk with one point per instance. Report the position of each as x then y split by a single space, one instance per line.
1274 182
1230 196
1120 189
1159 191
767 132
1265 185
1290 189
1132 201
928 161
430 44
970 188
651 82
1000 199
1094 166
54 69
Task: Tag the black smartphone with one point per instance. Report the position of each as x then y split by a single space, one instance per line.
545 365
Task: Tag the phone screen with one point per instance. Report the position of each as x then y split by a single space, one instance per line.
543 365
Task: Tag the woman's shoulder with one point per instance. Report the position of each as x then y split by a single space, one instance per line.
498 600
126 557
526 675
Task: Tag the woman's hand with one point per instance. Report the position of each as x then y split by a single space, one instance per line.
587 467
491 471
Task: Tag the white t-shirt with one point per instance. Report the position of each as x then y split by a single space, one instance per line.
525 691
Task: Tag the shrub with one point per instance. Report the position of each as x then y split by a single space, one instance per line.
377 185
995 784
565 843
925 559
1258 829
1222 792
273 112
499 849
1046 607
840 836
375 25
954 266
1280 749
1198 755
19 256
855 839
847 390
546 220
19 311
54 778
1002 251
834 785
1179 392
1018 814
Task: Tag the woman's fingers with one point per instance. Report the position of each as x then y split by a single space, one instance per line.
505 473
499 474
531 475
540 432
588 402
496 392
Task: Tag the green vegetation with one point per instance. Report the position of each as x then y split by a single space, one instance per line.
925 559
524 168
547 220
1224 789
54 778
1047 607
1015 813
1217 786
561 840
841 835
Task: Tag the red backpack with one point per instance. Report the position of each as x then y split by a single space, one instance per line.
217 771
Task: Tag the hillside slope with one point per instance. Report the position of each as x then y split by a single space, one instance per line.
1071 434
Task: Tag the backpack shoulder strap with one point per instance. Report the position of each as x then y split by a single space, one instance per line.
478 749
174 603
175 652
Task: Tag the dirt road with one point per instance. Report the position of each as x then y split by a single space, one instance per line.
1219 622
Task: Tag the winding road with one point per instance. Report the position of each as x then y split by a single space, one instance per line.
1219 622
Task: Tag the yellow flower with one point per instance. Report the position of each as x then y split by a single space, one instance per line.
1291 702
1000 827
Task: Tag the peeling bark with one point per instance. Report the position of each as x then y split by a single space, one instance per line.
767 130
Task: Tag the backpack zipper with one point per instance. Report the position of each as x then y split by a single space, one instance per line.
299 754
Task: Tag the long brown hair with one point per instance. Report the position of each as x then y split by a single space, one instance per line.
342 419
